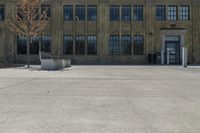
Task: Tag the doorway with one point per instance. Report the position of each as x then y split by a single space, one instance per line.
172 49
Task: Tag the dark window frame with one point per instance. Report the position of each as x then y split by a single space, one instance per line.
138 12
2 12
126 12
172 12
160 12
114 45
92 12
114 12
80 44
46 43
92 45
34 45
68 12
80 13
184 12
138 41
21 45
126 45
68 45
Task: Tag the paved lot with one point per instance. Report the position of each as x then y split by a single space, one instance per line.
100 99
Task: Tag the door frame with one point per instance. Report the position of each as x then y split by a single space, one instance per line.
171 32
177 43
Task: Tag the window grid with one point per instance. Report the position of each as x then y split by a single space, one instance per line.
172 12
80 45
114 12
21 45
92 12
68 12
92 45
138 44
126 45
138 12
160 12
80 12
34 45
114 45
68 45
2 12
46 43
126 13
184 12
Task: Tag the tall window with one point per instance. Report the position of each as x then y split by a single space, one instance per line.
68 45
138 12
80 45
160 13
46 43
184 12
114 45
21 45
80 12
126 13
92 12
68 12
34 45
92 45
126 45
47 9
138 44
2 12
114 12
172 12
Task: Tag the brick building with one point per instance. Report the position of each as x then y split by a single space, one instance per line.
109 31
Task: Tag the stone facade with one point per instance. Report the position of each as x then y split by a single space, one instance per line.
151 29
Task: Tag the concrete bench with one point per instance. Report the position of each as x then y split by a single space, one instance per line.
48 62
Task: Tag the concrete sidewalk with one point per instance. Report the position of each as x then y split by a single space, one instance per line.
100 99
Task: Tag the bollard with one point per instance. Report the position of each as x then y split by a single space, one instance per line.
162 57
167 57
184 57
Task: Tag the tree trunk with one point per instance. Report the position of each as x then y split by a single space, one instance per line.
28 51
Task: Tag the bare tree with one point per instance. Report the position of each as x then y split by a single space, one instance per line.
29 21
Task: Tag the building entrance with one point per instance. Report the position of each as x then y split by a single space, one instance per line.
172 50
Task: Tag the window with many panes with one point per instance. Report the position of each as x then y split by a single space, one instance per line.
138 12
172 12
80 12
160 13
46 43
80 45
114 12
68 45
184 11
126 13
92 12
2 12
92 45
34 45
126 44
68 12
138 44
114 45
35 42
21 45
47 9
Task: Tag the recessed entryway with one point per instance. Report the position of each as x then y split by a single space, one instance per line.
172 43
172 49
